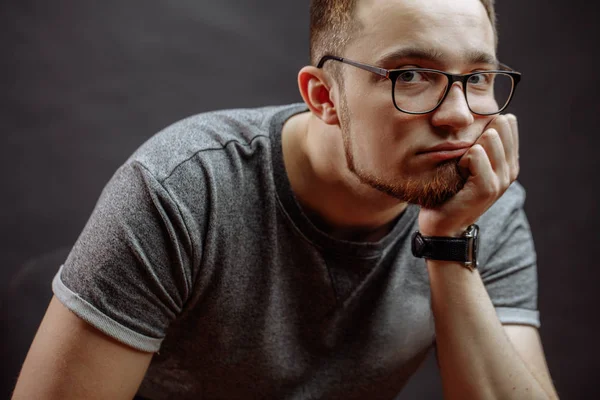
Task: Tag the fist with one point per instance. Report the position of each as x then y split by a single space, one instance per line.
490 166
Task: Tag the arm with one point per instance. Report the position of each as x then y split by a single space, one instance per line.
69 359
478 357
128 274
526 341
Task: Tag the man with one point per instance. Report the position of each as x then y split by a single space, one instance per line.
270 253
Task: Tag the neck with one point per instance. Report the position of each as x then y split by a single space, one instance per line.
331 195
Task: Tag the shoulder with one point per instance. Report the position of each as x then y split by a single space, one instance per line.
509 204
205 132
505 225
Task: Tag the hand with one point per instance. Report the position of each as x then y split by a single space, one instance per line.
491 164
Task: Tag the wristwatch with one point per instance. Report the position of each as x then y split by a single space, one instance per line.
462 249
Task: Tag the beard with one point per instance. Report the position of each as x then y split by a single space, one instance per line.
427 192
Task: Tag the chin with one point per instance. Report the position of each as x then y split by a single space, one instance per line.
426 190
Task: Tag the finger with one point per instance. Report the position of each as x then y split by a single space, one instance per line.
480 169
514 128
504 129
512 120
494 148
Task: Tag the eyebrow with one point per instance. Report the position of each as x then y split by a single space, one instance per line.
472 57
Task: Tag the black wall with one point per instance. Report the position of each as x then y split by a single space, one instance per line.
84 83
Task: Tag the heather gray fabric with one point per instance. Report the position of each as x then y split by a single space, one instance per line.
197 247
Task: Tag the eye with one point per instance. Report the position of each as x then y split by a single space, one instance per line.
410 76
478 79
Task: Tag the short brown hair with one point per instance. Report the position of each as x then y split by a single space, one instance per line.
332 25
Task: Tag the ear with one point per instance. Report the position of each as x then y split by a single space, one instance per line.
317 94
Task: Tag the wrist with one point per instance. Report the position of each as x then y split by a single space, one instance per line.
447 246
456 231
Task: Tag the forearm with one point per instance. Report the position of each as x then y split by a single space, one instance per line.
476 358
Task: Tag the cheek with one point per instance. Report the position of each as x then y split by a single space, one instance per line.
368 99
381 146
382 138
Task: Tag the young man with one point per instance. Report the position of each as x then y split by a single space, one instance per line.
271 253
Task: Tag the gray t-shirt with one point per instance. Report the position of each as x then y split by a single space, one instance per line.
198 248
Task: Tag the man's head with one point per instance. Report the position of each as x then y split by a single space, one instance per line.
333 25
384 147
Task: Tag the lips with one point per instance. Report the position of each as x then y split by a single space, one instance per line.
446 151
448 146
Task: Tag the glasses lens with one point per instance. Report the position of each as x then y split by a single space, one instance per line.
419 91
488 93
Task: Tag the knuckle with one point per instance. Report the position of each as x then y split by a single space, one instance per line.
498 187
515 172
490 135
502 120
478 150
507 181
503 125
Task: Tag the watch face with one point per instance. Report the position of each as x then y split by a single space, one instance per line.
418 244
475 241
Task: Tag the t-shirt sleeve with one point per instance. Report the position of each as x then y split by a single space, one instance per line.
508 262
129 272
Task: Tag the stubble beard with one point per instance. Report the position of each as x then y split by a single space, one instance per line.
430 192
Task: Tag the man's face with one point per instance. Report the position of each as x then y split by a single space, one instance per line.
383 145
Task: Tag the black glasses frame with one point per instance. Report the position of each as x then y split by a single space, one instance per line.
393 75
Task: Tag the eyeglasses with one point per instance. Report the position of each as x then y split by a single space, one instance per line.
422 90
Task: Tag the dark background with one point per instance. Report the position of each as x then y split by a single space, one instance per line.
84 83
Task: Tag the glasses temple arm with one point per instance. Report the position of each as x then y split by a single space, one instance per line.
370 68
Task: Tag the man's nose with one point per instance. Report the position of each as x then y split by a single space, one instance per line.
454 111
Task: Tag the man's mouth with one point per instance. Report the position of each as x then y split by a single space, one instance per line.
445 151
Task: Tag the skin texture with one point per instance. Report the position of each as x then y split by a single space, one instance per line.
354 162
69 359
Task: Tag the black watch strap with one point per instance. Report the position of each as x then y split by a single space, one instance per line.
461 249
440 248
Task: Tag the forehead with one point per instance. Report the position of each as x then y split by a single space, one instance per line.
457 31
